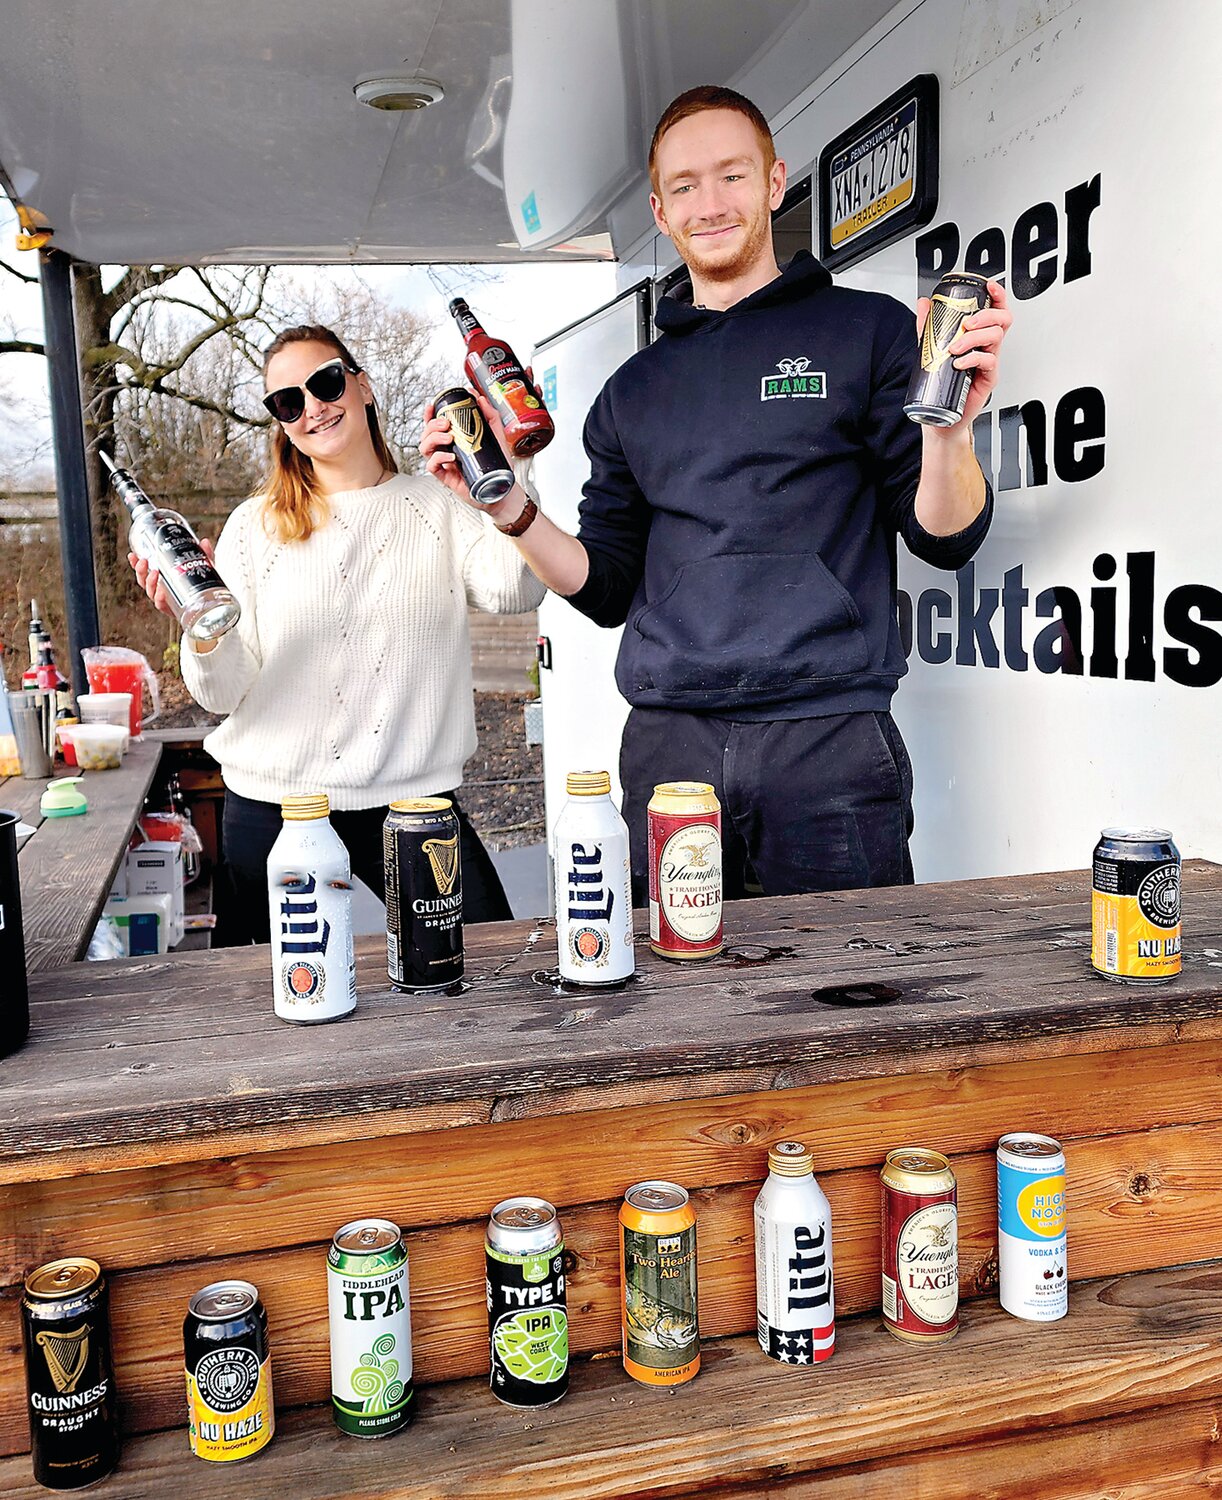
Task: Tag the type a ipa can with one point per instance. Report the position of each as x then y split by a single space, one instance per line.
371 1329
593 884
309 881
793 1260
1031 1238
658 1272
528 1326
920 1246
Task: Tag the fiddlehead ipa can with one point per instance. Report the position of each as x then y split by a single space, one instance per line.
937 392
230 1415
1135 906
685 870
920 1249
658 1275
74 1427
528 1326
371 1329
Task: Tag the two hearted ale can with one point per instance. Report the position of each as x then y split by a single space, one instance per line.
422 864
685 882
938 392
74 1426
309 879
593 884
920 1246
1135 906
372 1395
795 1317
1032 1270
661 1324
230 1415
528 1325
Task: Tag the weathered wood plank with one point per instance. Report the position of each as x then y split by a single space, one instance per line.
68 866
234 1205
1130 1345
1136 1202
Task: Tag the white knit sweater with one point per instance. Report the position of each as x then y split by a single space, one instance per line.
350 670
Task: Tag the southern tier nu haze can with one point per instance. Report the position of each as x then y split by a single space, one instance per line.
658 1275
371 1329
230 1415
685 870
423 870
528 1326
74 1428
920 1248
1135 906
1031 1239
937 392
793 1260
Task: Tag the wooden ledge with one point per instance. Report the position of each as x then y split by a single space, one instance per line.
1131 1378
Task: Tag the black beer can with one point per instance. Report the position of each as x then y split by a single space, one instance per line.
230 1415
528 1324
483 464
74 1427
937 392
424 937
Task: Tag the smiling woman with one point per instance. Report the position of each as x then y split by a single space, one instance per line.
350 671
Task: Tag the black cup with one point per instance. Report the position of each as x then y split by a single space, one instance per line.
14 993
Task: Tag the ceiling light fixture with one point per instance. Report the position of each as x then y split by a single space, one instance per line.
394 91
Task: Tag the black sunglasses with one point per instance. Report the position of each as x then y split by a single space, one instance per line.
326 383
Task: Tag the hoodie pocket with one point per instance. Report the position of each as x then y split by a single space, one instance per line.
747 622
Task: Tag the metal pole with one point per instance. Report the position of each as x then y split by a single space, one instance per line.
71 476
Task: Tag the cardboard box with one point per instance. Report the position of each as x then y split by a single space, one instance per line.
155 869
144 922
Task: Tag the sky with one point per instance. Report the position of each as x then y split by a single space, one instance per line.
521 304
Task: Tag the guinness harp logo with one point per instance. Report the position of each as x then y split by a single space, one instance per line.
66 1355
467 424
443 860
942 328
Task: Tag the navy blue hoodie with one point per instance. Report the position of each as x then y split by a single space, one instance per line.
750 471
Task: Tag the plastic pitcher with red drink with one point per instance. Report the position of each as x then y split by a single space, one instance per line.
115 669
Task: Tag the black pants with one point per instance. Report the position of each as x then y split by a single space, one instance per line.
806 804
251 828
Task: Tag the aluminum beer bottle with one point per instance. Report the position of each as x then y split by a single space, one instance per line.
795 1320
593 884
309 881
202 605
494 370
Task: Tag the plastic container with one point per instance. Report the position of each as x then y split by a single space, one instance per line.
115 669
99 747
106 708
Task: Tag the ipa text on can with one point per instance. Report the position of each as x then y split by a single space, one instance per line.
1033 1274
528 1326
661 1325
920 1246
371 1329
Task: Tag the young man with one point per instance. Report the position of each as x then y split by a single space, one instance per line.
750 472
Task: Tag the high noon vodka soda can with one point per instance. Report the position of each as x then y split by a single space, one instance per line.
528 1326
371 1329
658 1272
1031 1237
230 1415
795 1319
593 884
1135 906
309 879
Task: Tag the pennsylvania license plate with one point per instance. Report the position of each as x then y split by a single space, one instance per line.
874 176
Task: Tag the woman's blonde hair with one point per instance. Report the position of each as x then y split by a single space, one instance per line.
293 505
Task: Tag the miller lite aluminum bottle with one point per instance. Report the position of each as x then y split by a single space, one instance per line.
593 884
795 1317
309 881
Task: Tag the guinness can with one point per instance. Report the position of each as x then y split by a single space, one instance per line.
74 1426
685 870
483 464
937 392
230 1415
424 937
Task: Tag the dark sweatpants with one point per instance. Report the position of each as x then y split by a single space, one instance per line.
251 828
806 804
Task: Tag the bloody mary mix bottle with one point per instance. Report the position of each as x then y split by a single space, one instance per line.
493 369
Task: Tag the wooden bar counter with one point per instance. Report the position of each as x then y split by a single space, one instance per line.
164 1122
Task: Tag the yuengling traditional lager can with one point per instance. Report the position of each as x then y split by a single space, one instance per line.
795 1317
1032 1272
309 880
593 883
371 1329
938 392
684 838
528 1325
920 1246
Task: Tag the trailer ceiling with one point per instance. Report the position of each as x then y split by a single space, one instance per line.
153 131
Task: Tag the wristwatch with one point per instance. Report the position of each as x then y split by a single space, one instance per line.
515 528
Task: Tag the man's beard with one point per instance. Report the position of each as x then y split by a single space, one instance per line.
714 268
